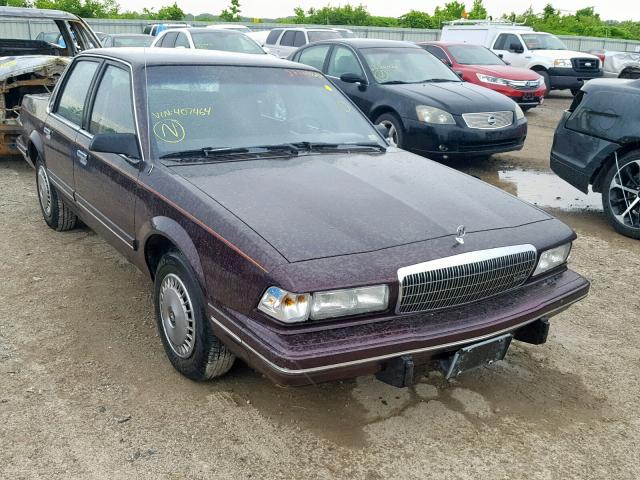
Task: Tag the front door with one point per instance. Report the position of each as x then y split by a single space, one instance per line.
106 184
63 124
343 60
510 47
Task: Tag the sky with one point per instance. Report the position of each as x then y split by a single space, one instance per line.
608 9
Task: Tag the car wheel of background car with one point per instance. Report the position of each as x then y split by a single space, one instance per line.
186 333
574 91
55 212
394 126
547 81
621 199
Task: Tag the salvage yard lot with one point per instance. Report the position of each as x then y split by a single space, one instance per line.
86 390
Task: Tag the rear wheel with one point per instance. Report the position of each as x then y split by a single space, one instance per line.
187 336
55 211
621 195
394 126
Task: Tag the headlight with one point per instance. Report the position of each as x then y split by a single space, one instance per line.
434 115
562 63
284 306
552 258
493 80
293 308
519 112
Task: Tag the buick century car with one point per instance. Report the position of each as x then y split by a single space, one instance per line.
278 226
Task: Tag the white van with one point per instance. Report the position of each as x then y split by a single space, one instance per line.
521 46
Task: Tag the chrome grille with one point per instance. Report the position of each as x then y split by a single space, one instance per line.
586 64
464 278
488 120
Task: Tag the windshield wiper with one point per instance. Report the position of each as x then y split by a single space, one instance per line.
319 146
210 152
394 82
438 80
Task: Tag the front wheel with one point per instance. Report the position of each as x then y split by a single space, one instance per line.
394 126
181 318
55 211
621 195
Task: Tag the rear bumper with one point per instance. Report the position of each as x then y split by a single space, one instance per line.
437 141
298 357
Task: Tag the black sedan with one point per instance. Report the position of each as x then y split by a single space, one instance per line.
427 108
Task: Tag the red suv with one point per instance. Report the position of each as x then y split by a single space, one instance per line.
479 65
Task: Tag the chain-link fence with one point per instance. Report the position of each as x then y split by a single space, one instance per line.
23 28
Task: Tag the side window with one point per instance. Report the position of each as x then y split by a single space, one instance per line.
438 53
507 41
299 39
314 56
272 38
287 38
80 37
147 30
112 109
74 91
500 42
343 61
182 41
169 40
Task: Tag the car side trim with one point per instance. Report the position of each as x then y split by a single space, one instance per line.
323 368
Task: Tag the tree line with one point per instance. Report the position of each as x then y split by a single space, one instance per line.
584 22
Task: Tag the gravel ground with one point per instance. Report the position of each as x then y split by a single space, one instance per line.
86 391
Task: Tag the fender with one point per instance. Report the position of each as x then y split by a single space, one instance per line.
176 234
35 140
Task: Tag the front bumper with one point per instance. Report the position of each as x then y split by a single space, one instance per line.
307 355
524 98
568 78
436 141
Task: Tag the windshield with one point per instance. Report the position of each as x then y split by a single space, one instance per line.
228 41
536 41
137 41
474 55
317 36
406 65
194 107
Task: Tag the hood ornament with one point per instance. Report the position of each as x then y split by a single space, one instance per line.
460 233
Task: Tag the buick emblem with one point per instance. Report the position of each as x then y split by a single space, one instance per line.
491 120
460 233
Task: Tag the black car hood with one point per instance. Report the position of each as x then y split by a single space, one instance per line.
455 97
327 205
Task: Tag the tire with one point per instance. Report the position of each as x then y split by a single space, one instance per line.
616 201
182 322
526 108
574 91
547 81
396 130
55 211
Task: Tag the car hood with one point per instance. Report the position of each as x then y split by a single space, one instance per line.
563 54
455 97
505 71
328 205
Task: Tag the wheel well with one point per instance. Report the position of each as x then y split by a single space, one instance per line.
154 249
33 152
380 110
598 176
630 72
538 68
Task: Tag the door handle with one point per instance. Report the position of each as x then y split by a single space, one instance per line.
82 157
47 133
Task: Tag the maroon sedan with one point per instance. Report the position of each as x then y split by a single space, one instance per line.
479 65
278 225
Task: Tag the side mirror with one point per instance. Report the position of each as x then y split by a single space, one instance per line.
117 143
382 130
353 78
516 48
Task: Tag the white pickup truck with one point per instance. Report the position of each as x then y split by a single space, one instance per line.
519 45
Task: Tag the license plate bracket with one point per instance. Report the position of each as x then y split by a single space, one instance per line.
477 355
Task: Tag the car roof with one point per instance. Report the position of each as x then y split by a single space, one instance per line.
367 43
450 44
128 35
36 13
141 56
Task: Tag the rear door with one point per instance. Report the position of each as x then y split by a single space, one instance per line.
106 184
64 122
272 41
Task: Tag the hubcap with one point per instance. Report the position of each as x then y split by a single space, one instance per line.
624 195
176 313
392 137
44 190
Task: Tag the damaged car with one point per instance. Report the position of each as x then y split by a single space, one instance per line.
279 226
35 47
